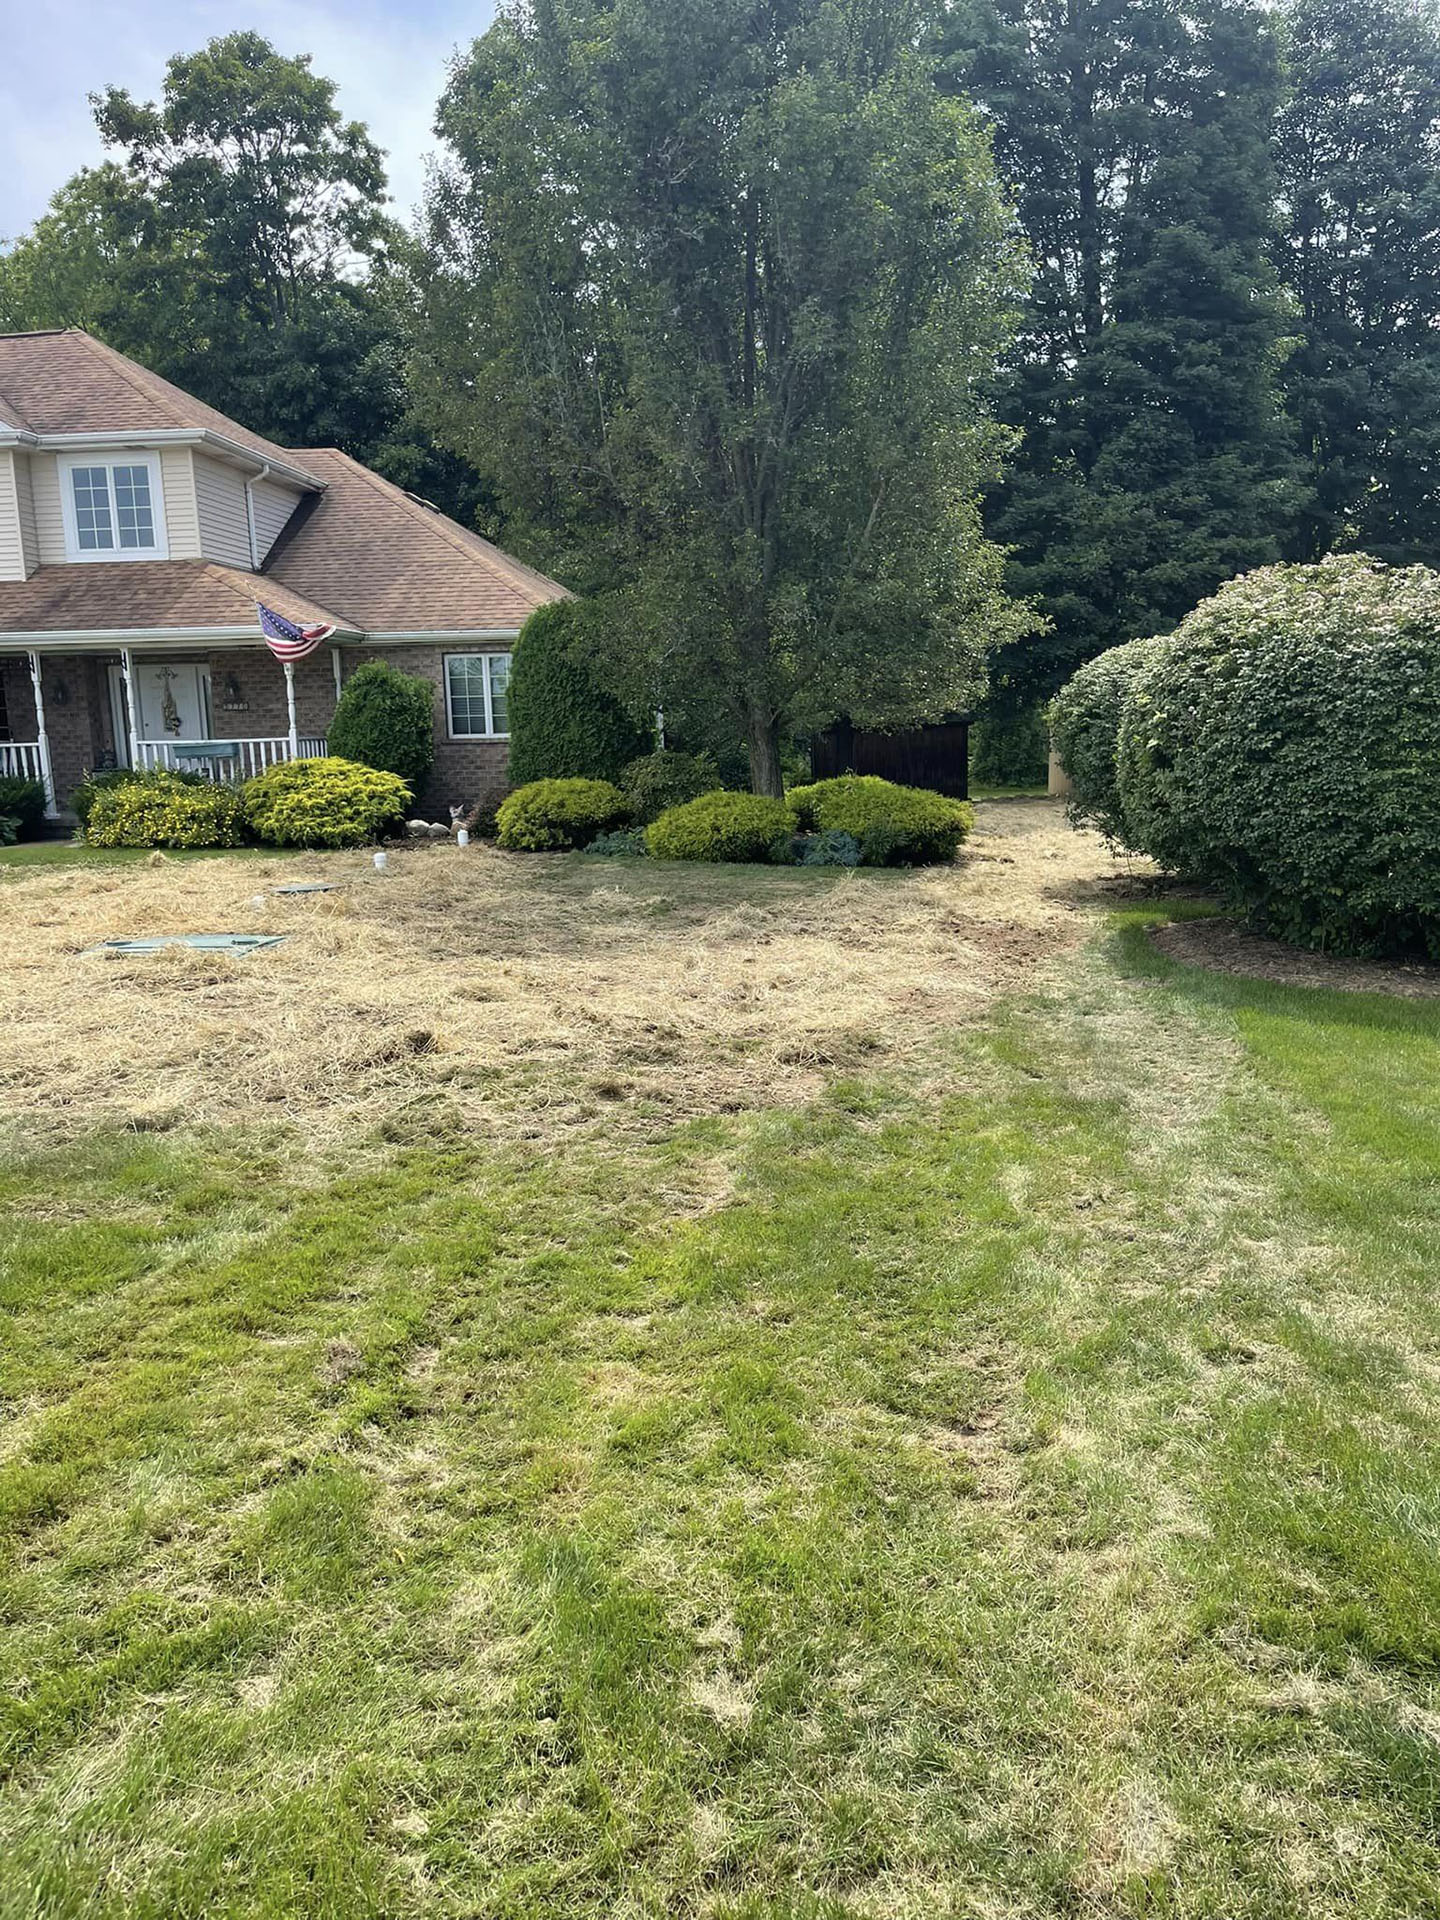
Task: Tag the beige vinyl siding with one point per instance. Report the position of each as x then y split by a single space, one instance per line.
224 522
29 539
182 518
273 507
49 520
12 550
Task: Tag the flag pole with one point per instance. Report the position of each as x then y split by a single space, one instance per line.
290 709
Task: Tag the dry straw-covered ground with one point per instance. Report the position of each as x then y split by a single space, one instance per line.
520 994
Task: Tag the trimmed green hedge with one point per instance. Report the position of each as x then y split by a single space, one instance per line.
563 723
719 826
386 719
164 809
1085 727
324 803
549 816
1285 749
895 826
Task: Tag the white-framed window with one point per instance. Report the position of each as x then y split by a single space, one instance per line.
475 703
113 507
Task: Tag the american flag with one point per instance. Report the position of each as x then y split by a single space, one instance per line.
285 639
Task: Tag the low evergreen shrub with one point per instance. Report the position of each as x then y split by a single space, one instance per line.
83 798
719 826
163 809
833 848
894 826
324 803
549 816
385 719
23 801
627 843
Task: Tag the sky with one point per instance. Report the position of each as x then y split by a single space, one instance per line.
389 61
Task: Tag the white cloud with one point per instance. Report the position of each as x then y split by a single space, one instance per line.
389 63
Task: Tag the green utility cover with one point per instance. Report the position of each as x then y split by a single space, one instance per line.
202 942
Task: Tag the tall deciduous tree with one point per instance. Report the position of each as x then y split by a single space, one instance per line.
1155 458
713 289
1358 155
238 244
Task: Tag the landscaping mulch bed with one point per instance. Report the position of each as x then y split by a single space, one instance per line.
1227 947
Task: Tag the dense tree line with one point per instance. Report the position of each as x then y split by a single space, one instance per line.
715 311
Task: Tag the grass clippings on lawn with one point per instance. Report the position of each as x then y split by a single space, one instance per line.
506 993
1004 1489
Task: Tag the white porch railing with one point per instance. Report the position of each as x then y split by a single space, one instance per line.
21 760
228 760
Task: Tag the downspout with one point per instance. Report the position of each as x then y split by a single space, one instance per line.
254 479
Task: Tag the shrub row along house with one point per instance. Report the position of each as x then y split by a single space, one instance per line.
138 530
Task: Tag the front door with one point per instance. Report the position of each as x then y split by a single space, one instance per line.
172 702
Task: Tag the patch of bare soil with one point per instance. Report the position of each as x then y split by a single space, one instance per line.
1227 947
526 995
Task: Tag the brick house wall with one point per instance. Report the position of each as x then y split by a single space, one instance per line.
247 697
467 773
77 713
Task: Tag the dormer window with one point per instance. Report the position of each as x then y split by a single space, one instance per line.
113 507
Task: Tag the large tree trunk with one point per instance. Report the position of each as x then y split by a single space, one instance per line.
762 736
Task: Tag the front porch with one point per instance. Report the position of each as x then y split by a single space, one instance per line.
227 715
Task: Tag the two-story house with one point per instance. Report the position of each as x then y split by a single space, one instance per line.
139 529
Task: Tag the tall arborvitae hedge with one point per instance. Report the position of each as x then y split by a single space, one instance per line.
563 723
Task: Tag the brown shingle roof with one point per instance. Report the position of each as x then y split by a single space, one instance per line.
146 596
391 565
71 383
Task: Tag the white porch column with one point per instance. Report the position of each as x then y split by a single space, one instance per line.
290 709
47 775
132 727
339 676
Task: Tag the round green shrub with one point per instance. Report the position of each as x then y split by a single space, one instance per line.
719 826
894 826
385 719
83 798
324 803
563 723
664 779
1285 748
1085 728
23 801
547 816
1009 747
165 810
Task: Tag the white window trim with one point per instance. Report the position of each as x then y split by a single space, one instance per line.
110 459
493 653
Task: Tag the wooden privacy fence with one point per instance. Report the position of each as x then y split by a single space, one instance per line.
937 756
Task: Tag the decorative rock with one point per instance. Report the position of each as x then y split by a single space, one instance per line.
417 827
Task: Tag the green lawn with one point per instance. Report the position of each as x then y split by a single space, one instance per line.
1012 1490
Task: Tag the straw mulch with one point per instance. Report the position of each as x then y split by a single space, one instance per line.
524 996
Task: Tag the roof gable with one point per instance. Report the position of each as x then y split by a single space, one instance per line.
60 383
391 565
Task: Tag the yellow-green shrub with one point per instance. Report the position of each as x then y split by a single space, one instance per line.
718 826
165 810
895 826
324 803
547 816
